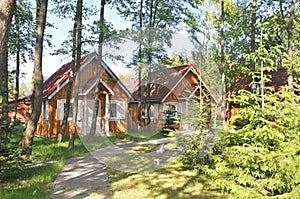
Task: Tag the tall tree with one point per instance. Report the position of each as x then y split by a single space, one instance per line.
21 46
37 79
70 83
158 19
290 43
99 73
6 9
78 21
253 28
140 94
222 42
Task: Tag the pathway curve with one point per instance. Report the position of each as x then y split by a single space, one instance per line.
85 176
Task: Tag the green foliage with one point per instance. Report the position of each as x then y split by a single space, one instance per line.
194 146
170 119
45 149
191 146
31 182
262 157
10 158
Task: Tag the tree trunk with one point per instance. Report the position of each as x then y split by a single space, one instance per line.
78 20
70 85
223 112
17 75
253 28
37 81
290 44
6 10
66 109
99 71
152 14
140 90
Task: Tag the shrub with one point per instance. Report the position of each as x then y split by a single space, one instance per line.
262 157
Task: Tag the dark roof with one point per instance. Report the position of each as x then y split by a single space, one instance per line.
57 79
278 78
164 81
62 75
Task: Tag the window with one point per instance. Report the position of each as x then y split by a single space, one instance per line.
113 111
170 110
153 112
61 103
117 110
45 110
70 116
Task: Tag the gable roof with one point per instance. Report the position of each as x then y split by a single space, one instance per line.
278 78
61 77
166 81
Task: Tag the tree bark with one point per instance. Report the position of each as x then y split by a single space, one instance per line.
99 72
37 81
290 44
17 75
78 20
6 10
70 85
253 28
66 109
223 112
140 89
152 17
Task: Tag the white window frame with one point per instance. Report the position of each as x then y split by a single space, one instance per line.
153 112
165 107
61 108
45 110
120 110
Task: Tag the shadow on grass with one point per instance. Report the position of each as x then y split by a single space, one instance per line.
169 182
28 182
135 175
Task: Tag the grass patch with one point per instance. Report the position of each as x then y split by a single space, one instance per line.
48 149
33 182
172 181
28 182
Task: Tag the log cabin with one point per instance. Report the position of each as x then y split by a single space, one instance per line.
114 98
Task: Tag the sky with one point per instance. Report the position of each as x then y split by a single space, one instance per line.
60 33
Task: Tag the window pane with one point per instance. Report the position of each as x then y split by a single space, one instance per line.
113 110
172 109
71 110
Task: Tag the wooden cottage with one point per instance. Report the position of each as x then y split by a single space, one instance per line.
278 79
22 109
114 97
170 88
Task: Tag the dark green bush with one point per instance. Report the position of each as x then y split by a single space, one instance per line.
261 159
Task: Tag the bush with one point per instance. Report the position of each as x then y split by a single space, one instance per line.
262 157
10 158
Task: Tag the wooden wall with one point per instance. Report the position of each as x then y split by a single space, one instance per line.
51 127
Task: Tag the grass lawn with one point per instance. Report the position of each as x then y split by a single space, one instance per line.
169 181
34 182
30 183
